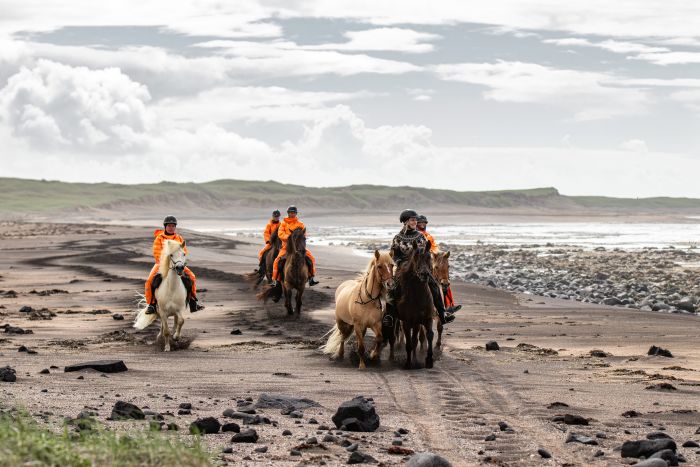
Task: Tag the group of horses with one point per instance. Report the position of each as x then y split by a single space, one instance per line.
360 303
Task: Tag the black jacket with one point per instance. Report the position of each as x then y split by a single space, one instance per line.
402 244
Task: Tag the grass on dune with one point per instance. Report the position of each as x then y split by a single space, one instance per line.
23 441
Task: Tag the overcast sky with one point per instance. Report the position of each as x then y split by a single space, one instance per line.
590 97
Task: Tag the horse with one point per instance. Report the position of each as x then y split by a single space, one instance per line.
269 256
171 295
359 304
294 273
415 306
441 273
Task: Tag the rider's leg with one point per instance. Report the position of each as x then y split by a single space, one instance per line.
438 301
150 295
450 301
261 259
275 266
312 269
192 292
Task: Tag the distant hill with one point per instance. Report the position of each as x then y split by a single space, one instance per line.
231 197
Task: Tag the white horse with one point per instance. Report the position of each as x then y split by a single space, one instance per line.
171 295
359 304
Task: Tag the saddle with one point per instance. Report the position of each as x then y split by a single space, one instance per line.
186 281
283 260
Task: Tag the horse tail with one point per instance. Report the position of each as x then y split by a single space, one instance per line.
269 292
332 345
253 278
142 319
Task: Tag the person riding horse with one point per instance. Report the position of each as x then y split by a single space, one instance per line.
270 228
401 248
287 226
421 224
189 279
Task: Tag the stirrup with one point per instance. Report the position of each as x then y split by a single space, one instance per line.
453 309
274 283
448 318
151 309
388 321
312 281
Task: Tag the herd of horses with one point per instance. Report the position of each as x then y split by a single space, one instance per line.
359 303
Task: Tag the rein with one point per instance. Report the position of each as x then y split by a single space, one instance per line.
371 299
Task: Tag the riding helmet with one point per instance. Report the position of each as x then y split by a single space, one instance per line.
169 220
276 213
422 218
406 214
292 209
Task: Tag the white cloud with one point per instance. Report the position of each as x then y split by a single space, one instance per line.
635 145
384 39
689 98
589 95
58 106
669 58
619 47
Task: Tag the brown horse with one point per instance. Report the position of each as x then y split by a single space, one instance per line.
295 272
415 306
359 304
441 273
269 256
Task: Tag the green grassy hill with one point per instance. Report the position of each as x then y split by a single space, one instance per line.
19 196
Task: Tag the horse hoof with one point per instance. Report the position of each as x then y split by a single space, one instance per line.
428 363
362 366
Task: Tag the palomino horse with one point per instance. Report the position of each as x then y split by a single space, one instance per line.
268 260
359 304
415 306
171 295
294 273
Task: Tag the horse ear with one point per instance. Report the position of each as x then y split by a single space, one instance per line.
376 254
447 255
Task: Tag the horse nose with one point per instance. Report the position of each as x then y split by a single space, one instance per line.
180 269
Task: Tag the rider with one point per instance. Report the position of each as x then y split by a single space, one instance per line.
401 247
287 226
270 228
168 233
421 224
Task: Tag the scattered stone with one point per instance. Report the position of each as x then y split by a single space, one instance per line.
570 419
126 411
631 414
234 427
17 330
184 412
492 345
599 453
668 455
330 439
45 371
205 426
491 437
295 452
245 436
185 405
646 447
544 453
286 433
658 435
658 351
353 447
599 353
661 387
236 332
118 317
296 414
313 421
578 438
397 442
652 463
26 309
227 450
104 366
357 414
8 374
280 401
503 426
557 405
261 449
358 457
691 444
398 450
427 459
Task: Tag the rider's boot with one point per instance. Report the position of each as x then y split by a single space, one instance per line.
151 308
453 309
312 281
194 305
439 304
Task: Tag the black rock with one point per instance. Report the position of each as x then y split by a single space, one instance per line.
261 449
658 435
544 453
668 455
245 436
296 414
45 371
503 426
631 414
492 345
599 453
280 401
658 351
599 354
118 317
427 459
357 414
352 447
646 447
205 426
286 433
227 450
184 412
231 427
22 348
236 332
652 463
691 444
185 405
490 437
577 438
126 411
104 366
17 330
570 419
329 439
358 457
26 309
295 452
172 427
557 405
8 374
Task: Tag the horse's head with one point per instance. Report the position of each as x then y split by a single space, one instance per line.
383 268
297 241
175 255
441 267
420 261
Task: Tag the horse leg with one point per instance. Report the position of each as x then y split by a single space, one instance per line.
345 331
430 334
300 292
378 338
179 321
439 339
360 335
165 332
409 348
288 300
421 338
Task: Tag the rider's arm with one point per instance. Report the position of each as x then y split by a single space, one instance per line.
268 232
157 247
283 232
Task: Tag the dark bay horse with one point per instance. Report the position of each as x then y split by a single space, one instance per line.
415 307
269 256
294 273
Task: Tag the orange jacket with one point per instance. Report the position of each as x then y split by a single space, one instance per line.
160 237
287 226
270 228
433 245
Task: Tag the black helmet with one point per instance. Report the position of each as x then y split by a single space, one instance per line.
292 209
406 214
422 218
169 220
276 213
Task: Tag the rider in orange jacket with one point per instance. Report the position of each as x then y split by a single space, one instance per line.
287 226
169 233
270 228
434 248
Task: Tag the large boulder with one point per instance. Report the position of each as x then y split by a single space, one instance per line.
646 447
205 426
280 401
245 436
104 366
8 374
126 411
427 459
357 414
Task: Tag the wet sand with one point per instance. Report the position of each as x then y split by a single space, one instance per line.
449 410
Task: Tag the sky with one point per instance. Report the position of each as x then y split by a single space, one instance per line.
590 97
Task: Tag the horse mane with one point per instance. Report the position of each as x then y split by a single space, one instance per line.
168 247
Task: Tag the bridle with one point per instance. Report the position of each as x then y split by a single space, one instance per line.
175 264
368 293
